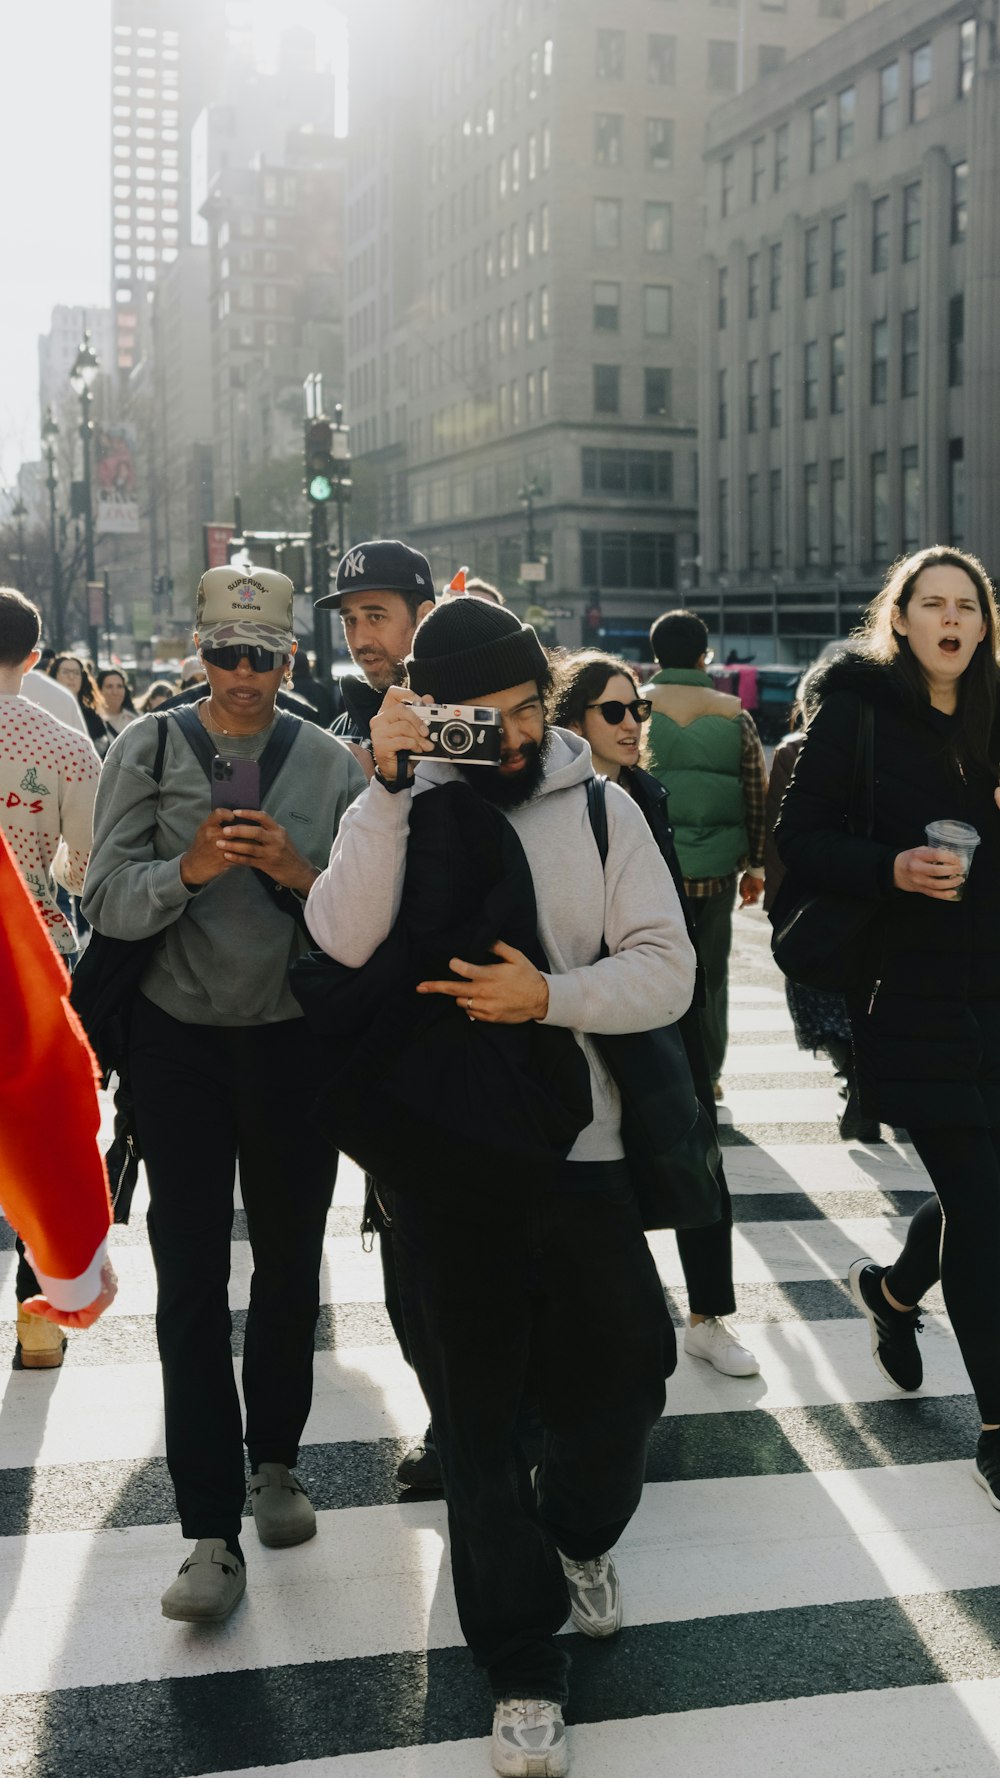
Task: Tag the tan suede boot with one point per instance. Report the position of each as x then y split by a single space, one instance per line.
42 1343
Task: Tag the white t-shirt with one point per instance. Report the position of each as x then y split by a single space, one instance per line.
54 698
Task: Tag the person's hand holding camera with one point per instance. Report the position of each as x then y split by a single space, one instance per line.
203 859
397 729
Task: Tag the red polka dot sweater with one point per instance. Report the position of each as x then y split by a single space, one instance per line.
48 781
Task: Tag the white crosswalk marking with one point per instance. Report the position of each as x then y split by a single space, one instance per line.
812 1581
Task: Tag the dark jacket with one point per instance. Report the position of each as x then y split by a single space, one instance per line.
361 703
925 1012
780 776
415 1082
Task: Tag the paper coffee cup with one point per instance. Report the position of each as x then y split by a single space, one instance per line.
957 837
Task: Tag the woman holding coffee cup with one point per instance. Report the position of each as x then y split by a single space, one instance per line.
924 994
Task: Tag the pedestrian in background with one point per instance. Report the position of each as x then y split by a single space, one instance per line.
705 750
115 694
155 695
924 979
69 670
597 696
382 590
215 1029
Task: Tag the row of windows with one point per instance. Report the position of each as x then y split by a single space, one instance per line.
766 548
609 141
831 133
657 391
657 224
480 53
643 475
657 308
610 559
659 55
520 402
465 277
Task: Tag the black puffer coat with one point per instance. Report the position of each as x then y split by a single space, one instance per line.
925 1013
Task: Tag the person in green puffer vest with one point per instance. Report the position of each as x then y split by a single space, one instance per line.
706 752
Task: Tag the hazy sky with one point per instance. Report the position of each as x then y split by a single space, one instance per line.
55 151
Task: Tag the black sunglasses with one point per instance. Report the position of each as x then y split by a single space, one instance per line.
262 660
613 711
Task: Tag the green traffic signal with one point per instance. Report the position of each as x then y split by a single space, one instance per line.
320 488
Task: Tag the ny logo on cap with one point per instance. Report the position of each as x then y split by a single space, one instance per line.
353 564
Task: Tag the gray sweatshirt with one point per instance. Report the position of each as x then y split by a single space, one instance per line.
226 946
646 981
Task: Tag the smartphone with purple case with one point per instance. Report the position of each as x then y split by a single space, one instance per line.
235 783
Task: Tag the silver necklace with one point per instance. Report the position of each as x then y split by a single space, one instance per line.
214 730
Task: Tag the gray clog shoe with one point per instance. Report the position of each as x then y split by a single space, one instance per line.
209 1584
280 1506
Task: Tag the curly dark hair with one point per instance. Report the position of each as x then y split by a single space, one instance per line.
578 679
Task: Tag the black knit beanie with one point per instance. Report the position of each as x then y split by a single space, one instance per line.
466 647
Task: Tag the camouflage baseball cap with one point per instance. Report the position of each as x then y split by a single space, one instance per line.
245 604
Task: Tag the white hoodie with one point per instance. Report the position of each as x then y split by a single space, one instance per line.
647 980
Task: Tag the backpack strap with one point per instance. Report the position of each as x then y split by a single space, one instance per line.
161 744
597 809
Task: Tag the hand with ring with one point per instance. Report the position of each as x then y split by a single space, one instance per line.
508 992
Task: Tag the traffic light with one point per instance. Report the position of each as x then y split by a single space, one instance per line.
320 466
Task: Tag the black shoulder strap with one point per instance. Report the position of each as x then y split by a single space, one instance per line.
161 745
597 809
189 722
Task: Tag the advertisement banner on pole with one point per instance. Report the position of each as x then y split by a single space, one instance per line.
95 603
117 502
217 539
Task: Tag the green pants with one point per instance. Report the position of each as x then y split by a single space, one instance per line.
713 922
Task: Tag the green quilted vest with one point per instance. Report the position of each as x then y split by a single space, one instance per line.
699 764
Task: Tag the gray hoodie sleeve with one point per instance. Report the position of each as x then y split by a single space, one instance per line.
130 893
353 904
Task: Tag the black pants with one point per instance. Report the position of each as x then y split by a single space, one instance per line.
205 1094
955 1236
561 1289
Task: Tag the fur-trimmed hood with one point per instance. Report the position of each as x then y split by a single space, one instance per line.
852 670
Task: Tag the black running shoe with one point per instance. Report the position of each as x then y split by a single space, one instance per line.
421 1467
987 1470
894 1331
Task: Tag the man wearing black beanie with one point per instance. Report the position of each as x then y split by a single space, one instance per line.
492 1281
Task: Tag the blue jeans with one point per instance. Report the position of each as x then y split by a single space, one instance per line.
554 1293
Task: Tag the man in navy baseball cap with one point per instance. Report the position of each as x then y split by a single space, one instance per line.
382 590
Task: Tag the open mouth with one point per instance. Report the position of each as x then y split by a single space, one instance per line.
950 644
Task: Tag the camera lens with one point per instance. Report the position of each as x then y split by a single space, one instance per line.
456 737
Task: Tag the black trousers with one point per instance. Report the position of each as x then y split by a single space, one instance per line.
955 1236
556 1289
205 1095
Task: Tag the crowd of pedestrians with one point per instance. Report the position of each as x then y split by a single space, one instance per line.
334 919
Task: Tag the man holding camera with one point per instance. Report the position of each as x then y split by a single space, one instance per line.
491 1281
382 591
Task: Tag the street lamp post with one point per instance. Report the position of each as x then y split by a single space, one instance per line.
19 513
527 495
50 433
82 378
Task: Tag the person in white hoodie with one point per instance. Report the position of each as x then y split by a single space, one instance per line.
552 1290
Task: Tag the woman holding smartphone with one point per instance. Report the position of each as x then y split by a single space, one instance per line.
924 993
221 1066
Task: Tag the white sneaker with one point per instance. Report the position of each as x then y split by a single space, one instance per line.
595 1595
529 1739
715 1340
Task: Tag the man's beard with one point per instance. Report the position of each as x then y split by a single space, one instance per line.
510 793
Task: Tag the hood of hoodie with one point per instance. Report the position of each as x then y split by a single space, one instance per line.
568 761
858 673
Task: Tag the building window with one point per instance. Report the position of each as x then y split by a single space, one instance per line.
543 390
610 55
646 559
818 123
920 83
880 363
608 136
659 227
880 235
647 475
811 261
753 395
753 520
607 308
910 539
723 298
781 157
966 55
770 57
753 286
607 384
775 269
775 388
656 306
758 170
880 507
959 200
661 59
723 404
838 511
728 186
888 100
910 379
956 492
811 488
911 221
656 393
659 144
721 67
846 109
837 373
722 532
810 380
775 519
607 222
544 312
838 253
956 341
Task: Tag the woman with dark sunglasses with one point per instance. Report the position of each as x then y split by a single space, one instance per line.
215 1031
597 696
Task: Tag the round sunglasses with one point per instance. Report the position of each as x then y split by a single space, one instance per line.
262 660
613 711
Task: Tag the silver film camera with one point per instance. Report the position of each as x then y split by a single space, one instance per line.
469 734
